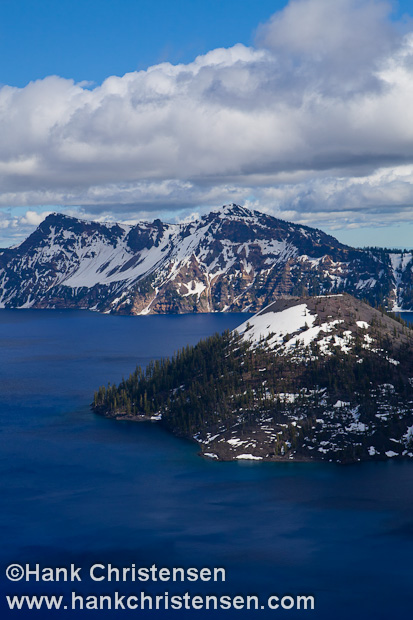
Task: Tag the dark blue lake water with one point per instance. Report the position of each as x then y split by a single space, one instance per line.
76 488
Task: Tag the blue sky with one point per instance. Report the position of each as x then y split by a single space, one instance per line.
130 109
92 39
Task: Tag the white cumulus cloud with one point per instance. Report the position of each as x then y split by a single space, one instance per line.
314 122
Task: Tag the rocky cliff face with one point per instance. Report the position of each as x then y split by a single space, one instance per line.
232 259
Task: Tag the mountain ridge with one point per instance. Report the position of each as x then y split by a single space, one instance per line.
231 259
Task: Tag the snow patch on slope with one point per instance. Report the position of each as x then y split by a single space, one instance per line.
276 325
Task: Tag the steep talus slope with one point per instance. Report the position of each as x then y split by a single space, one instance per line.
231 259
71 263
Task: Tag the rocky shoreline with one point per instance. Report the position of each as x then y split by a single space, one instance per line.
225 447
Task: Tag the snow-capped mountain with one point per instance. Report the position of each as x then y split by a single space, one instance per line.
231 259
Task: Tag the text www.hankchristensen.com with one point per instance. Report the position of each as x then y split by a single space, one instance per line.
118 601
140 600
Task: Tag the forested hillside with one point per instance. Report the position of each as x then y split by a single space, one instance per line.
324 378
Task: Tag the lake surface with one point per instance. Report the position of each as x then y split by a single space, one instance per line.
77 488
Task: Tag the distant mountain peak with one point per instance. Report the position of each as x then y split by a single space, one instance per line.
233 209
57 216
231 259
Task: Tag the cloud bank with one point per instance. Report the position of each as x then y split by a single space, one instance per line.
314 123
